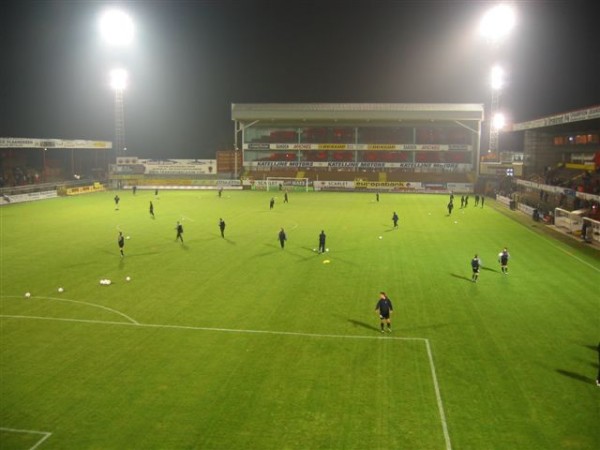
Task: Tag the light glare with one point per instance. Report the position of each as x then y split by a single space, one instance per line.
116 28
497 23
497 78
498 121
118 79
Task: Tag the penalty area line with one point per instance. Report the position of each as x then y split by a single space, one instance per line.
436 386
45 435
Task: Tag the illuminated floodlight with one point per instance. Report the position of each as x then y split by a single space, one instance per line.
118 79
498 121
497 23
497 78
116 28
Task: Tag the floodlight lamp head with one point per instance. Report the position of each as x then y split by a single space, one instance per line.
116 28
497 23
118 79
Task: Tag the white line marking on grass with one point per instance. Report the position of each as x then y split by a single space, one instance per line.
106 308
45 435
550 242
187 218
133 323
438 397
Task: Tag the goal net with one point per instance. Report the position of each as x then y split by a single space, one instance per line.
290 184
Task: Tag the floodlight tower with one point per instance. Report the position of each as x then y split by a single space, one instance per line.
118 81
117 30
497 119
495 26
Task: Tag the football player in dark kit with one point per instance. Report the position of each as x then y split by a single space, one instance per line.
121 242
450 207
384 309
322 238
179 229
395 219
222 227
117 201
272 203
282 238
503 259
152 210
475 265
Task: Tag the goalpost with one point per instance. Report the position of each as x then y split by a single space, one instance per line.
283 183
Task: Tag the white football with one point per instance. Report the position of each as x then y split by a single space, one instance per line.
60 289
326 249
27 294
128 237
380 237
127 278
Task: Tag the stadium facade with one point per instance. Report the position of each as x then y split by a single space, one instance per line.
416 140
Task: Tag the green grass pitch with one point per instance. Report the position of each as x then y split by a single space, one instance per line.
237 344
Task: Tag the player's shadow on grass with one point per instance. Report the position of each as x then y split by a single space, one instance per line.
576 376
311 250
274 247
358 323
461 277
489 269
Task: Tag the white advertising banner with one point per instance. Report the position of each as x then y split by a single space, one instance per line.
179 166
54 143
20 198
359 165
388 147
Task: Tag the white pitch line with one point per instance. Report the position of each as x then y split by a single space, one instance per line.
46 435
438 397
436 386
106 308
550 242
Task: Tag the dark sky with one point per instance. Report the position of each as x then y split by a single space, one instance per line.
192 59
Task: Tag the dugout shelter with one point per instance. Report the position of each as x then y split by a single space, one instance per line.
412 142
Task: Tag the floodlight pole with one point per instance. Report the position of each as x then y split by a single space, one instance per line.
119 122
494 131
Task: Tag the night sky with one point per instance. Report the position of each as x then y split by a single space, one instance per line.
192 59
